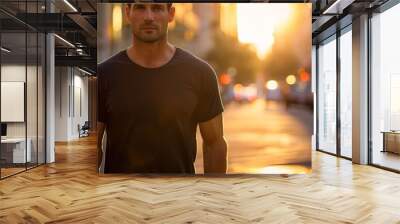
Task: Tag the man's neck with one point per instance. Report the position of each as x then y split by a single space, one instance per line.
151 55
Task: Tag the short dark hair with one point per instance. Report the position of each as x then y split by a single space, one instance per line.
169 5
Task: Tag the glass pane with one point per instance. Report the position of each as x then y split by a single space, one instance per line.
14 151
327 97
313 81
346 94
386 89
31 98
41 98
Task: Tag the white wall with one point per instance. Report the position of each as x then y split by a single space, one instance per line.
14 73
61 103
34 125
17 73
70 83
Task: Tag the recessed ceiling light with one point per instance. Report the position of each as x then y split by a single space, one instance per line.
70 5
5 50
65 41
337 7
86 72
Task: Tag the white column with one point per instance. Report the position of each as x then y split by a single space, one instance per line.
50 91
360 90
50 110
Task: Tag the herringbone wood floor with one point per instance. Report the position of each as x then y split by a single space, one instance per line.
70 191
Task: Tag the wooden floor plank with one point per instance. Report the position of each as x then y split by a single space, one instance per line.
70 191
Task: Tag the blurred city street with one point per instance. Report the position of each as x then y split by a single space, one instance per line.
265 138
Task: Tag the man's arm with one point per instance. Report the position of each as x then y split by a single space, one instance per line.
100 133
214 145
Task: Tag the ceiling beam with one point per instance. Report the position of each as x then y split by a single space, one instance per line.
84 24
337 7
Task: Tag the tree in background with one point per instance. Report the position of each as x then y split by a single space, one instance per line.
291 51
228 53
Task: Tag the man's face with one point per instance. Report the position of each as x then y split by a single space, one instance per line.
149 21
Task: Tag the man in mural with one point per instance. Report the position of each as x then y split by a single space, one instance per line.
151 98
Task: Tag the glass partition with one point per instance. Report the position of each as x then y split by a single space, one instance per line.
327 97
346 93
15 149
385 89
22 90
31 100
41 79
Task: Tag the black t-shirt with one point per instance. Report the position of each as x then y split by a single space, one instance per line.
151 114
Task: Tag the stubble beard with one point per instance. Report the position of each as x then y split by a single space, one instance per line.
149 38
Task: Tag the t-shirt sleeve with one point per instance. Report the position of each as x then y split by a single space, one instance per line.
101 106
209 101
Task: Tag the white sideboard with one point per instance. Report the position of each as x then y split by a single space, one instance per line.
18 149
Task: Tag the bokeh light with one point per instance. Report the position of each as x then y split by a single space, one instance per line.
291 80
272 85
117 20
